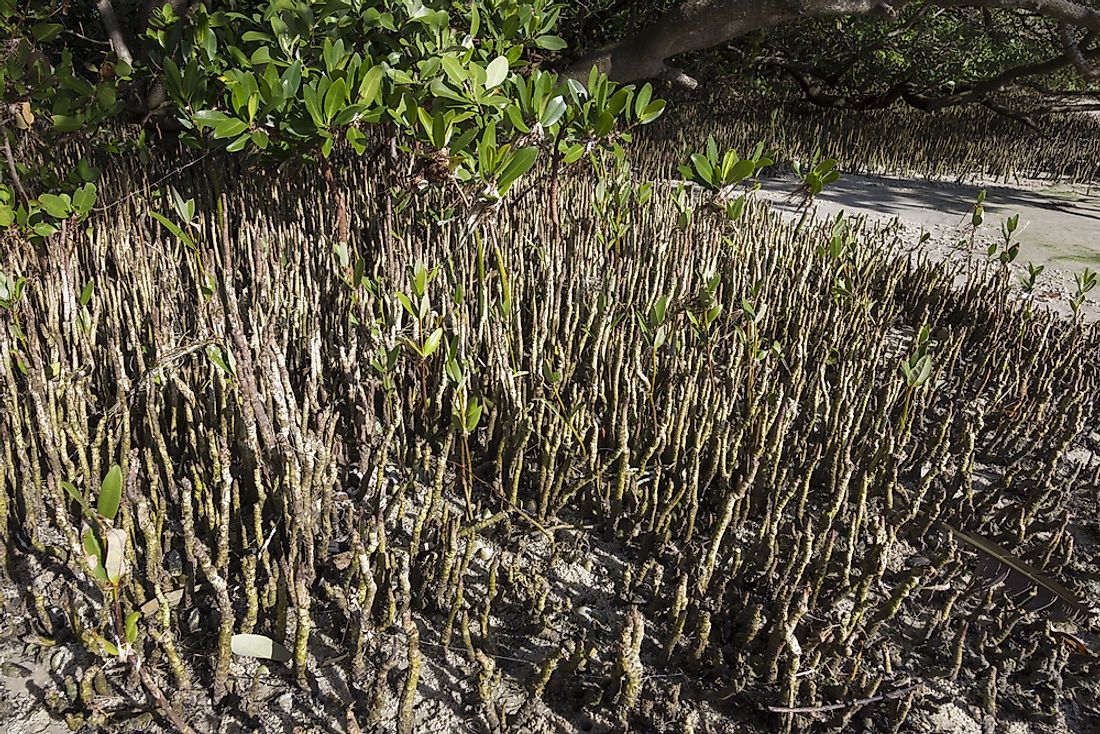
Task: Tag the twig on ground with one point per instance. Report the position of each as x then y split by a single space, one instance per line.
896 693
166 708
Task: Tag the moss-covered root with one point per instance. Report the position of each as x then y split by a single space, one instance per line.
629 664
412 676
486 678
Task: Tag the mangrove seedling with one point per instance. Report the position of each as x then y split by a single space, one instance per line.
916 369
1085 282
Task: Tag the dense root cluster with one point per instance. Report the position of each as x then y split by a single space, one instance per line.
655 517
965 143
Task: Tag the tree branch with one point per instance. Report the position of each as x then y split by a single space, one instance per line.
922 100
114 31
1087 71
694 25
698 24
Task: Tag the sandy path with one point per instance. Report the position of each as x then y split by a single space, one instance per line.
1059 224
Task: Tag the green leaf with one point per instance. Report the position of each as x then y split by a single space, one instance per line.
93 553
642 100
555 108
86 294
46 32
214 354
291 80
174 229
521 163
407 305
652 112
74 493
357 273
110 493
550 43
432 342
107 645
44 229
58 207
261 55
741 170
573 154
239 143
371 86
496 72
258 646
703 168
229 128
131 626
473 415
335 98
924 370
454 69
312 99
207 118
84 198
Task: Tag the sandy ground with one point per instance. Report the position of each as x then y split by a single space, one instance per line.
1059 224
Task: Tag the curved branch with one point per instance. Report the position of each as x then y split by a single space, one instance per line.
975 93
694 25
698 24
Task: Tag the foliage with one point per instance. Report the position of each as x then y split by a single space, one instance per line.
457 85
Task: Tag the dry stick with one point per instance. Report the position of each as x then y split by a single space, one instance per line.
897 693
166 708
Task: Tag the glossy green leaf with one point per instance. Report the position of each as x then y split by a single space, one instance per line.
454 70
229 128
58 207
371 86
84 198
131 626
521 162
110 493
335 99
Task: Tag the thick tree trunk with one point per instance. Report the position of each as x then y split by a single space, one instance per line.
699 24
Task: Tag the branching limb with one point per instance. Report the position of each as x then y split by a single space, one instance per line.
114 30
693 25
978 93
1087 71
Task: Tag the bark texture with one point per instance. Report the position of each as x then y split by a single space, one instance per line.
698 24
